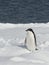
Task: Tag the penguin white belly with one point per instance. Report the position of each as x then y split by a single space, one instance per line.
30 42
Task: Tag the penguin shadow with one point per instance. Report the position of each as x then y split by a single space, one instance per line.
22 46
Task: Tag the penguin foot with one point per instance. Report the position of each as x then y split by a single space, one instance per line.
36 49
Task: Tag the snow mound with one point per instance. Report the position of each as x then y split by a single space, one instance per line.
19 59
45 44
9 25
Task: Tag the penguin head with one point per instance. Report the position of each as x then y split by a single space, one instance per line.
30 30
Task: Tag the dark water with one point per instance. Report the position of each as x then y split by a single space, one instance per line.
24 11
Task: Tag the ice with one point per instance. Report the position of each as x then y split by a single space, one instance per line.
12 45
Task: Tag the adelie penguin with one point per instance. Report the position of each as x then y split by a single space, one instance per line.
30 40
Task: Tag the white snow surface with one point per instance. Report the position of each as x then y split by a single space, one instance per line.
12 45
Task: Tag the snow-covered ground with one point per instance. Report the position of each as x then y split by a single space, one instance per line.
12 49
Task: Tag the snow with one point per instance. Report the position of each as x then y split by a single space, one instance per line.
12 48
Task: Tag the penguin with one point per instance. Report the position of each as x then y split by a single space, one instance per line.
30 40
